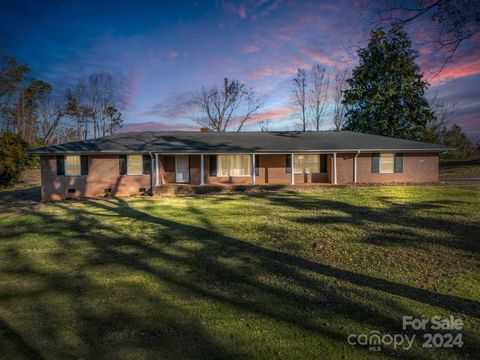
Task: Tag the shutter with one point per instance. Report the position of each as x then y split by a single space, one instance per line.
147 163
60 165
323 163
288 163
84 164
375 163
123 164
398 163
213 165
257 165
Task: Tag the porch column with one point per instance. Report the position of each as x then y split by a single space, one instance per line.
355 168
292 169
253 169
202 170
334 178
152 164
157 173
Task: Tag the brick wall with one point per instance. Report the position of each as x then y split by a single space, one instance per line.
417 168
103 173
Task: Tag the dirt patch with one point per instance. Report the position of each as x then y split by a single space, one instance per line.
23 196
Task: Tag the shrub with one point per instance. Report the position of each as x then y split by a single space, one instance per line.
12 158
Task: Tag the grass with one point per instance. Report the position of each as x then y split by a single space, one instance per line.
236 276
459 169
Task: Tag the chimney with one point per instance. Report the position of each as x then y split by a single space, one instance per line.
203 129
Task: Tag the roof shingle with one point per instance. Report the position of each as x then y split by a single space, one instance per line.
241 142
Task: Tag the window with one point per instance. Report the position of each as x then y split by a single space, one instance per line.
387 163
306 164
135 165
234 165
72 165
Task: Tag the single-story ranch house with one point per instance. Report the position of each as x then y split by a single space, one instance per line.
137 162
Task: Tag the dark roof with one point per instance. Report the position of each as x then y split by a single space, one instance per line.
209 142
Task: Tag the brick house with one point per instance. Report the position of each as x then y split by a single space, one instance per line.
134 163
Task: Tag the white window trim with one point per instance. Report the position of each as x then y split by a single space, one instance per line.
65 165
234 176
128 165
380 164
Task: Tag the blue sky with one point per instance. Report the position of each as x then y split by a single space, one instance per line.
160 52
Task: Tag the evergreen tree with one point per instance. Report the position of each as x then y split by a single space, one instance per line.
12 158
456 138
386 90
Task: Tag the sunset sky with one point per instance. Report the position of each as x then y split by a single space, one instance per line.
160 53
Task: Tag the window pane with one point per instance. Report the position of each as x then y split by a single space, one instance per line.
387 163
306 163
135 165
224 165
312 164
72 165
233 165
299 163
246 166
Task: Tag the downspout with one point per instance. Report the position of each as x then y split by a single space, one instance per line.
151 173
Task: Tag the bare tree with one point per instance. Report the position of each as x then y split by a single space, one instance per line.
114 119
77 109
338 107
264 125
50 115
12 79
455 21
226 106
444 113
299 97
26 112
94 102
100 94
318 95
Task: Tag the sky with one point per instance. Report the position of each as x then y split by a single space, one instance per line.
161 52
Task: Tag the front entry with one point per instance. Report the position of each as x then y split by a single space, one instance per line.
182 169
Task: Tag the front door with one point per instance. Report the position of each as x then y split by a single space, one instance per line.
182 169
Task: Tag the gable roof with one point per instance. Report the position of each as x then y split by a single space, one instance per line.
239 142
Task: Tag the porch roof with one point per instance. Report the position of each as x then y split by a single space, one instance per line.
241 142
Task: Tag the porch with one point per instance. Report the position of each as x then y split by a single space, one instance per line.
244 169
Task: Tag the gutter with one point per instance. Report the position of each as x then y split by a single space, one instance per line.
240 151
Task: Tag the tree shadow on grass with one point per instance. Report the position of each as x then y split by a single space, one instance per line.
195 262
402 219
19 199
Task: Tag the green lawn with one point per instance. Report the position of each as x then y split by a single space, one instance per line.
459 169
235 276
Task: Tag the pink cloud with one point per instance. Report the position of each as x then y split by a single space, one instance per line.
454 72
270 114
249 49
261 73
242 12
324 60
172 54
252 9
466 64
